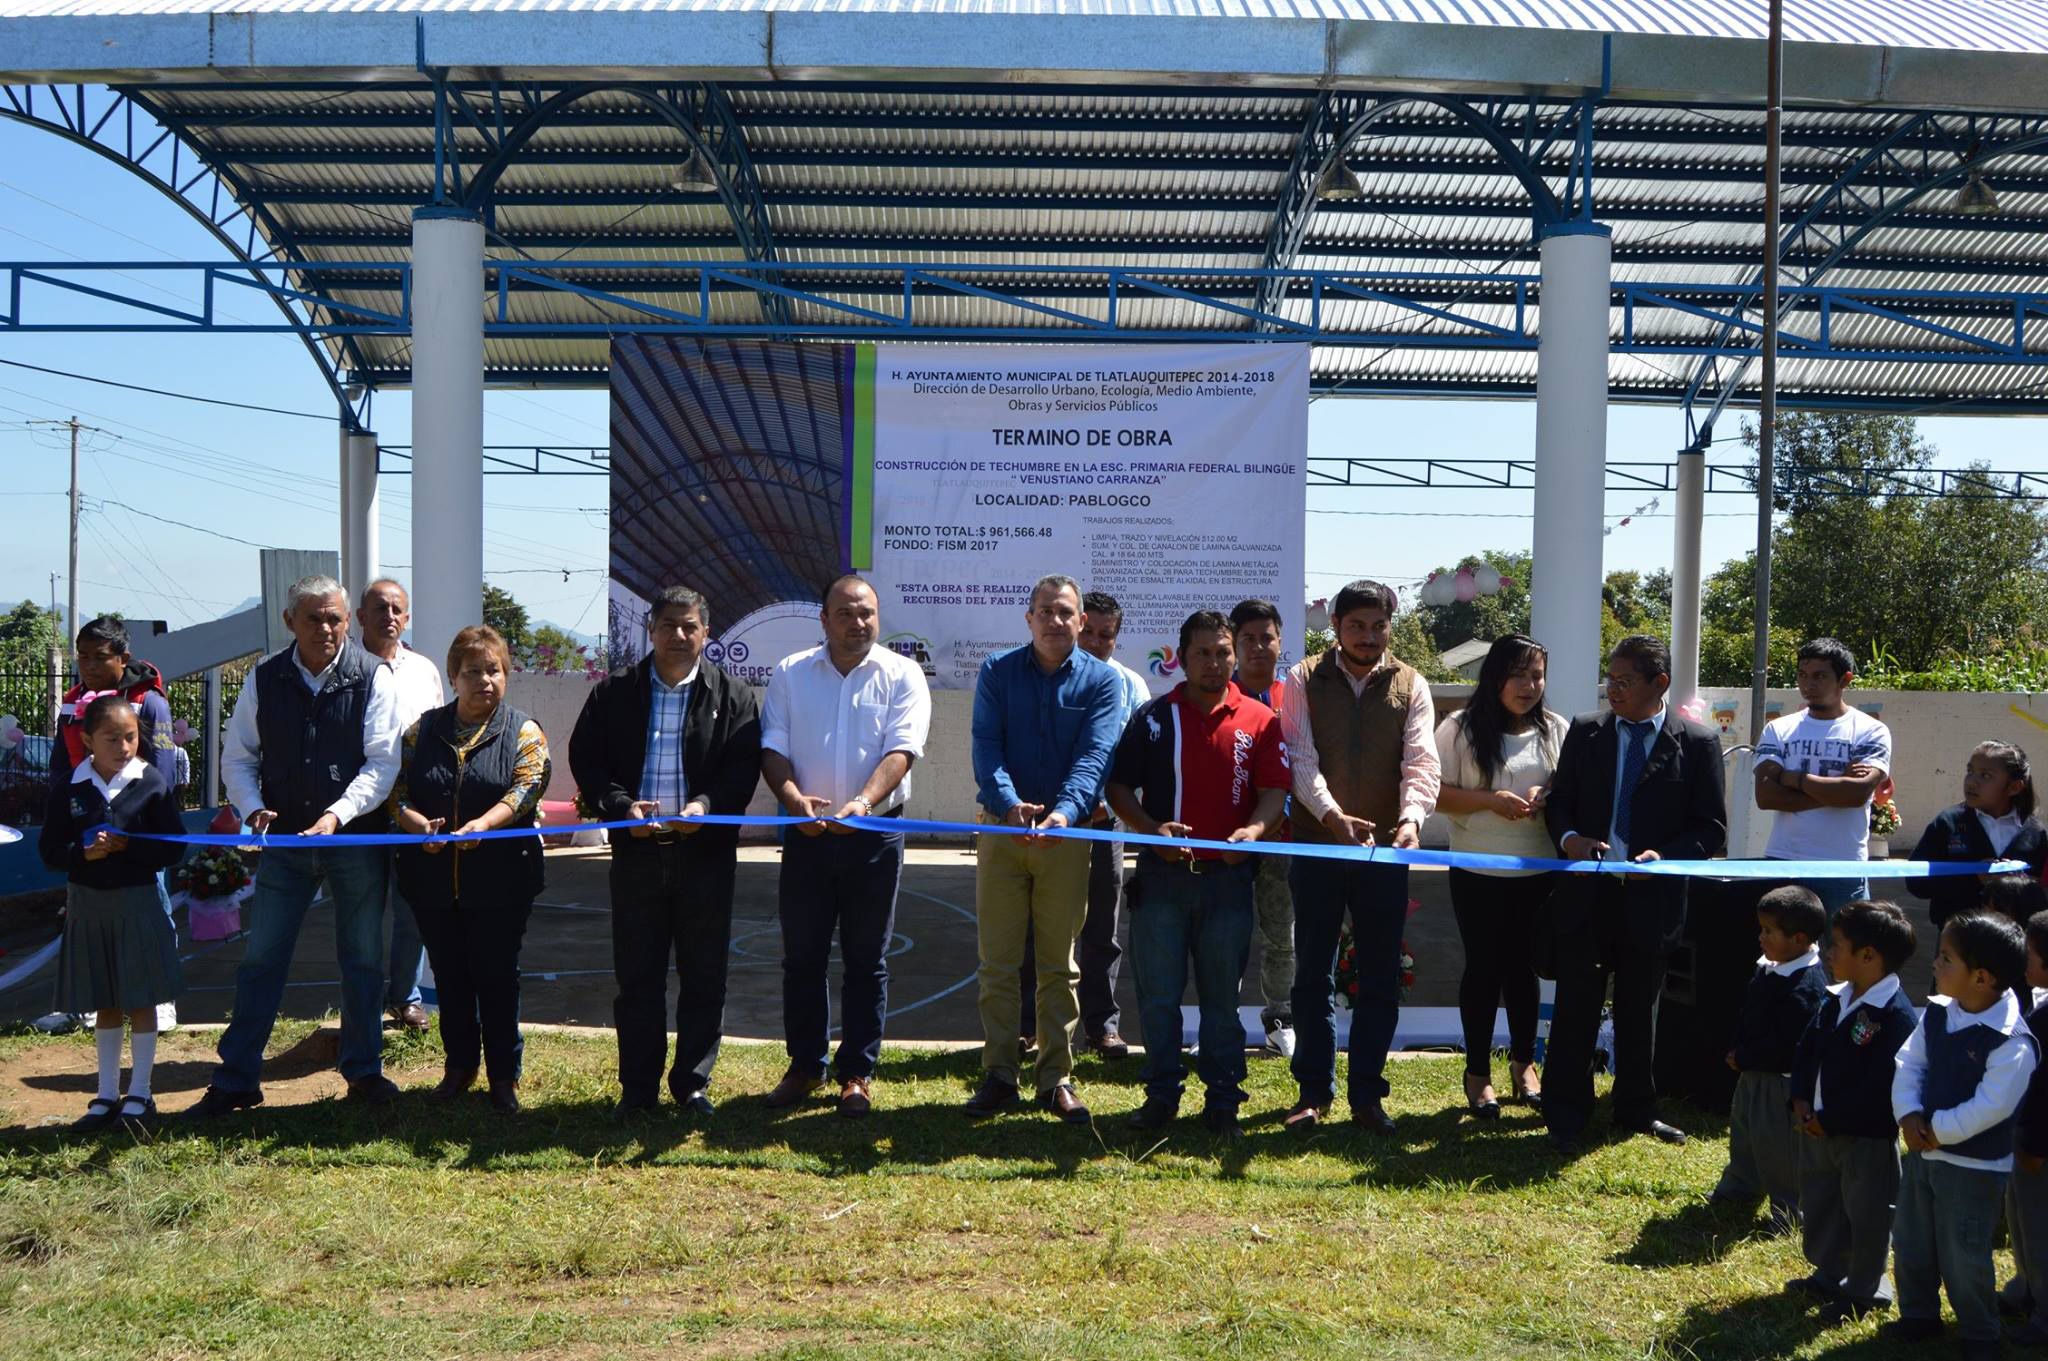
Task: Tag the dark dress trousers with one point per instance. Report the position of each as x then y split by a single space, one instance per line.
672 894
1604 926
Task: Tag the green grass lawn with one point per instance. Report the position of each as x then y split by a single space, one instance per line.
424 1231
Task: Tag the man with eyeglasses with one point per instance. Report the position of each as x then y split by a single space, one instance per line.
1636 784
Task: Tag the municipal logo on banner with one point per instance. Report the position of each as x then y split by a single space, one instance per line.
750 649
1162 661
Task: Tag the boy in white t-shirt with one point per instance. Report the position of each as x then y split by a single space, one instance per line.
1817 770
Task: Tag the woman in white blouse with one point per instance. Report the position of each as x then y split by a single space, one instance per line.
1498 753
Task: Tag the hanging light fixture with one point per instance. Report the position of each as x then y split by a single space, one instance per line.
1339 182
1975 197
694 175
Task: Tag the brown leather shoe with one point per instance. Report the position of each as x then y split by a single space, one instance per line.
993 1096
1110 1045
1064 1102
1304 1119
412 1016
455 1082
1372 1117
855 1097
505 1098
793 1088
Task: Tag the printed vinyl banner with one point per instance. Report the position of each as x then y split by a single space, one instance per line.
1172 478
952 478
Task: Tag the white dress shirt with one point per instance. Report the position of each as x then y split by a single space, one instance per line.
1421 773
1876 995
2001 831
241 757
125 776
834 730
419 685
2005 1080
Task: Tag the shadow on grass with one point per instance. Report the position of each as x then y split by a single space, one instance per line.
1776 1325
1695 1234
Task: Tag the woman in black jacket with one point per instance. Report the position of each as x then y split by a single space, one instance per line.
1995 821
475 765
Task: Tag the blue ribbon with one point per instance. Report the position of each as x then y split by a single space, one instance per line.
1378 855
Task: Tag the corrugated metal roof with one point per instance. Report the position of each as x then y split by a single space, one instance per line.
1942 25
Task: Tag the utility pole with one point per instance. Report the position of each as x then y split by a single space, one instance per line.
68 625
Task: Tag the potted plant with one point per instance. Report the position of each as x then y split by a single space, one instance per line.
1884 820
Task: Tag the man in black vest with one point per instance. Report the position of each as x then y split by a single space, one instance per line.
312 749
1638 783
672 736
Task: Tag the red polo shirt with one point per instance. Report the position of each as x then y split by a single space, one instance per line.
1203 769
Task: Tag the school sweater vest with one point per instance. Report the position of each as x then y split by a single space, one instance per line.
1358 742
1956 1060
312 744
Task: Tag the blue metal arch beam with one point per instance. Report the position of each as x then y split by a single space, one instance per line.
1887 205
1336 122
704 117
75 125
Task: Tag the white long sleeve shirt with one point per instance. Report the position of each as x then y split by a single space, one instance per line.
2006 1074
241 756
1421 773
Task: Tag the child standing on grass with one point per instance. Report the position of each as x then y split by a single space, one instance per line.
1841 1101
1961 1077
119 953
1995 821
2026 1196
1779 1003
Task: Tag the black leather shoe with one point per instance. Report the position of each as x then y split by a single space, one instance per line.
217 1101
1657 1129
698 1106
1157 1113
992 1097
1110 1045
100 1112
1488 1109
1561 1142
375 1090
1372 1117
632 1109
1221 1121
1911 1330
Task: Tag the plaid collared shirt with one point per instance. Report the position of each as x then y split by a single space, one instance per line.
661 773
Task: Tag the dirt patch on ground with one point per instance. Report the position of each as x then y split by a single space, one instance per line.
49 1084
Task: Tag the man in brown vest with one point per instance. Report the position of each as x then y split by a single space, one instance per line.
1360 731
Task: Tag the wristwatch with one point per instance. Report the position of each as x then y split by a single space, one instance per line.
867 808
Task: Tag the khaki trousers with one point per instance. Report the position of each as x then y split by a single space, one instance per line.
1042 888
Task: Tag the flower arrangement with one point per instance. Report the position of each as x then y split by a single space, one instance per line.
1347 968
210 886
1884 812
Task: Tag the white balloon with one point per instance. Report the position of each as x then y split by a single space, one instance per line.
1486 577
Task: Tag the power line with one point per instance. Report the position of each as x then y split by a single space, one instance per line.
151 515
161 392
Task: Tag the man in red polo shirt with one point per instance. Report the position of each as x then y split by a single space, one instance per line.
1202 761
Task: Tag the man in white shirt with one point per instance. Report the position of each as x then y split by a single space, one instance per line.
1817 770
312 749
842 725
385 612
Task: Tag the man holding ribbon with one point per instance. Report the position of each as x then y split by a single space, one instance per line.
311 750
1045 721
841 727
672 737
1361 735
1636 784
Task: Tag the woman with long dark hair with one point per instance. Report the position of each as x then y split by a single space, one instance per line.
1498 753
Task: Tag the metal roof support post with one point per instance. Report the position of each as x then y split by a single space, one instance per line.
447 424
1571 455
1685 573
361 552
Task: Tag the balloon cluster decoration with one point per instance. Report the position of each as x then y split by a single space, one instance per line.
1463 586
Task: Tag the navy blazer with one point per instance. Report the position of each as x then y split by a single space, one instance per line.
1680 811
1957 834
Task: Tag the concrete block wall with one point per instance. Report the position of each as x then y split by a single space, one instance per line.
1932 735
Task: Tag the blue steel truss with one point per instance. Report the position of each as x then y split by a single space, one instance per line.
1458 311
103 121
1924 154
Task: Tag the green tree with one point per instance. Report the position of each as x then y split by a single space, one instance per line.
554 650
1485 617
508 617
27 633
1410 642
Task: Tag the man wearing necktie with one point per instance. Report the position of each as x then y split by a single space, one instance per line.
1635 784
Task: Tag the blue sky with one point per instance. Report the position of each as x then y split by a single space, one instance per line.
270 479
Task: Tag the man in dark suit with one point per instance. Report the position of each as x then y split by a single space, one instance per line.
671 737
1637 783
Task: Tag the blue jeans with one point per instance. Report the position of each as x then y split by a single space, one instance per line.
1376 897
1834 894
1175 913
407 951
1941 1236
355 878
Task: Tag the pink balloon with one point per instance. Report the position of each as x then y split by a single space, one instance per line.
1467 588
181 732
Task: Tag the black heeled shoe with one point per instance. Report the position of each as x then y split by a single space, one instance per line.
1532 1099
1480 1110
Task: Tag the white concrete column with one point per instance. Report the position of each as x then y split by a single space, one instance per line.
1571 460
1685 574
361 561
348 524
447 426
